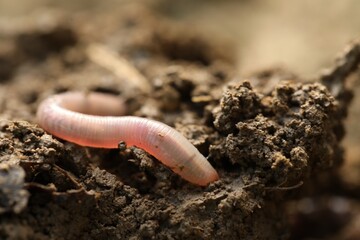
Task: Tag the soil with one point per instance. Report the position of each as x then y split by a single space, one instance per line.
273 137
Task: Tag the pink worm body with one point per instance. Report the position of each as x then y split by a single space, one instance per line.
70 116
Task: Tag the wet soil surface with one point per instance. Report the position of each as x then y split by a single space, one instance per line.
273 137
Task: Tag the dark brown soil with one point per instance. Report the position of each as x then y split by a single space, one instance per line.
273 137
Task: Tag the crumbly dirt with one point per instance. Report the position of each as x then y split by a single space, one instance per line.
270 136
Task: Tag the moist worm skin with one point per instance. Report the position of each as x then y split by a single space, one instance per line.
71 116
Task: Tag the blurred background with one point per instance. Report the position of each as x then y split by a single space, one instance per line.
301 35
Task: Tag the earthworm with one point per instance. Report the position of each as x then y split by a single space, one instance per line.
80 118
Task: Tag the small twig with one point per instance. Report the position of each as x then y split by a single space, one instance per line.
54 166
49 188
69 176
118 65
250 185
299 184
348 62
